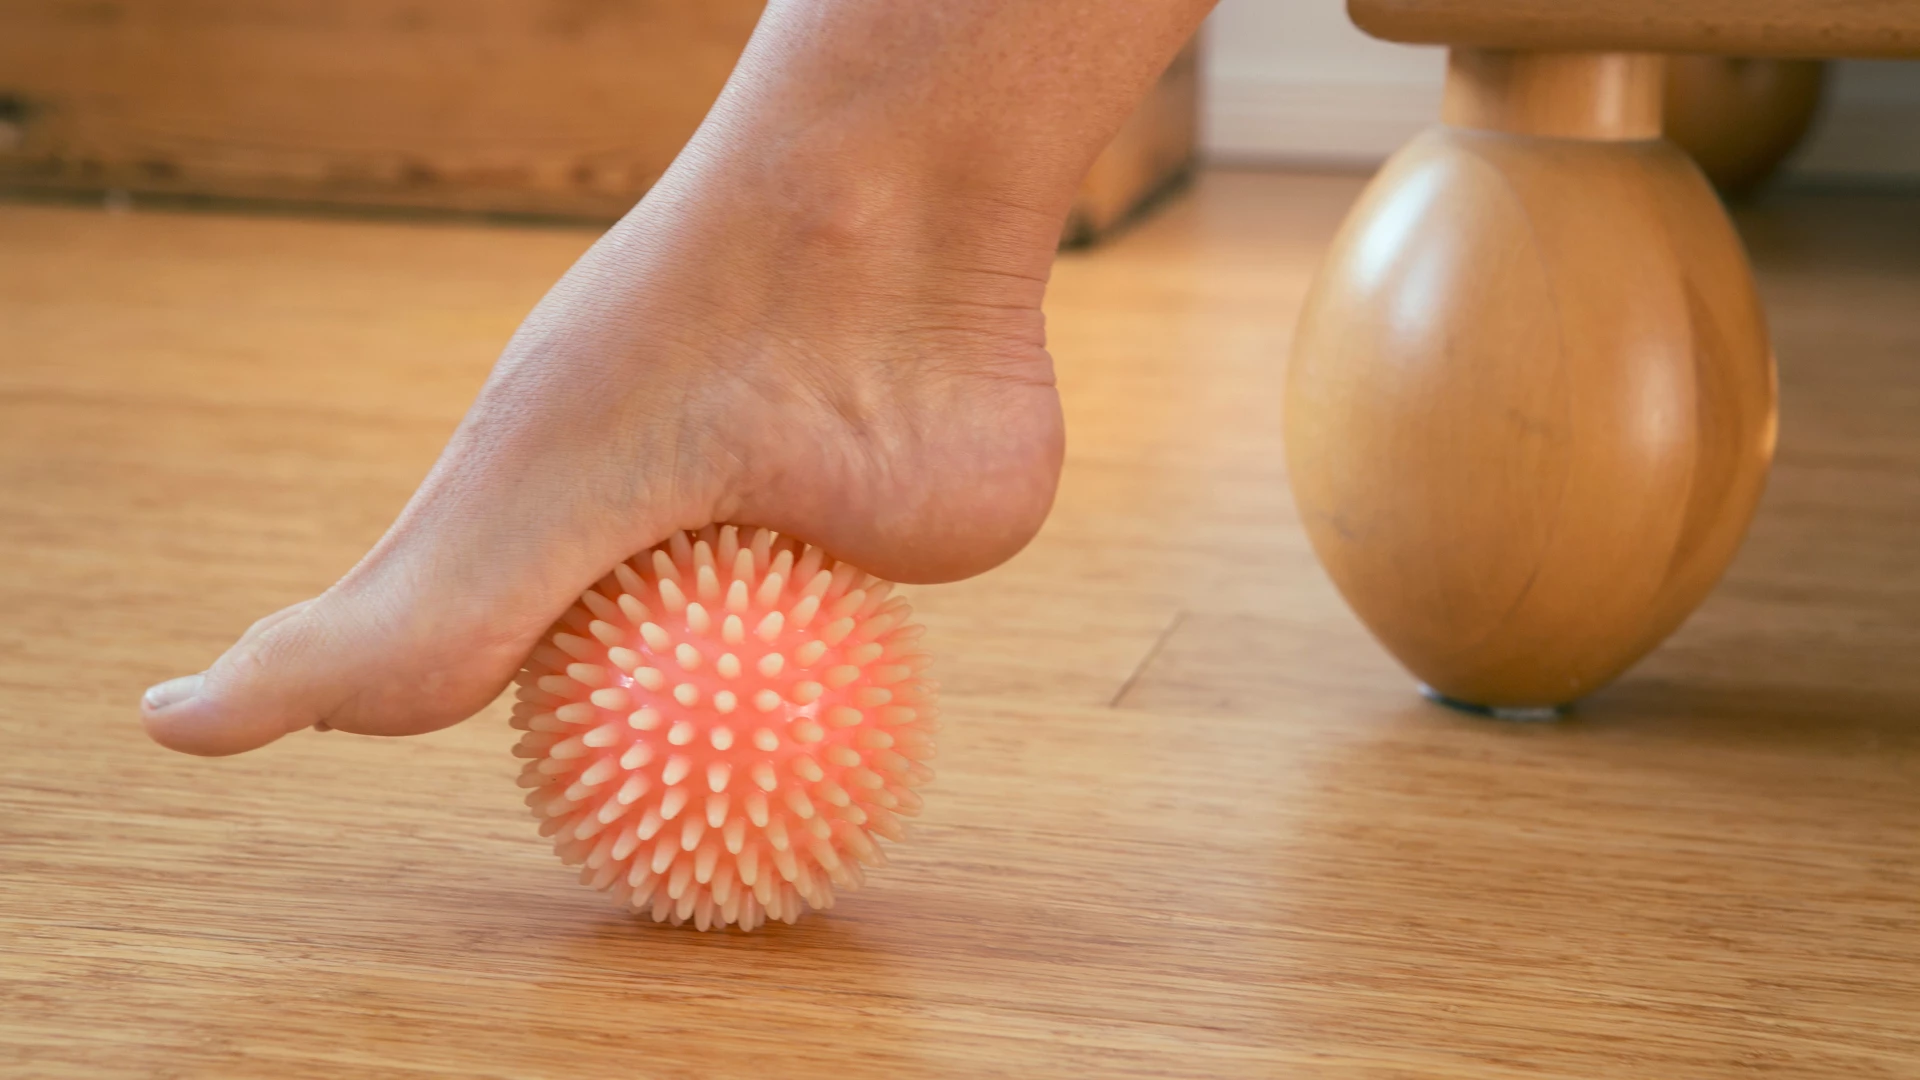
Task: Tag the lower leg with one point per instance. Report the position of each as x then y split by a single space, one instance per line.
825 318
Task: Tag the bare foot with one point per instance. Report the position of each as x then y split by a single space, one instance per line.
840 353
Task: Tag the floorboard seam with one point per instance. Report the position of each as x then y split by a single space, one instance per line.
1153 651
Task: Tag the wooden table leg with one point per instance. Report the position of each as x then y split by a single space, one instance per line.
1739 118
1531 402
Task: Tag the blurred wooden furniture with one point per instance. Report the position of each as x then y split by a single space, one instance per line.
1188 822
1531 403
551 107
1152 153
1738 117
1886 28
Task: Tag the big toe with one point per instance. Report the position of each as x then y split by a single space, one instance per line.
324 663
278 678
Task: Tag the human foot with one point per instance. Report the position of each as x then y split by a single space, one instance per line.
856 360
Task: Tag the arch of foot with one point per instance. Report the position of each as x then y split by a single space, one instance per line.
722 728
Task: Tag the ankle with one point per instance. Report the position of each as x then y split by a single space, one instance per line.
822 244
835 197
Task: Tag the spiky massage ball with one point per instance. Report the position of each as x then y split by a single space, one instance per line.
721 727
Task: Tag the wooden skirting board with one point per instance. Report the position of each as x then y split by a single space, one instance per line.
504 106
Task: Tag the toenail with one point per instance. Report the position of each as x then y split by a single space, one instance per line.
172 692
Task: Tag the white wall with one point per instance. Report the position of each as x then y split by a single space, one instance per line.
1292 82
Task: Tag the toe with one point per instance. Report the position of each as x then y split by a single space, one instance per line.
385 652
276 679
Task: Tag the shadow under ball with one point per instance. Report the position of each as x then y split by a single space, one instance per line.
1530 405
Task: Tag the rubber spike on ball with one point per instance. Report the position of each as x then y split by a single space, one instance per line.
722 729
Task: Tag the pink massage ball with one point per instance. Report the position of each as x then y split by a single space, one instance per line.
721 728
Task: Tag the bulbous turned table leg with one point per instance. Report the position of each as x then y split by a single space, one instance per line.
1530 406
1739 118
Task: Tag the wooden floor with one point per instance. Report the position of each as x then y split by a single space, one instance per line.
1189 821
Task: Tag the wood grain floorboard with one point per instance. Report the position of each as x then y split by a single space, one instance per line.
1189 821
